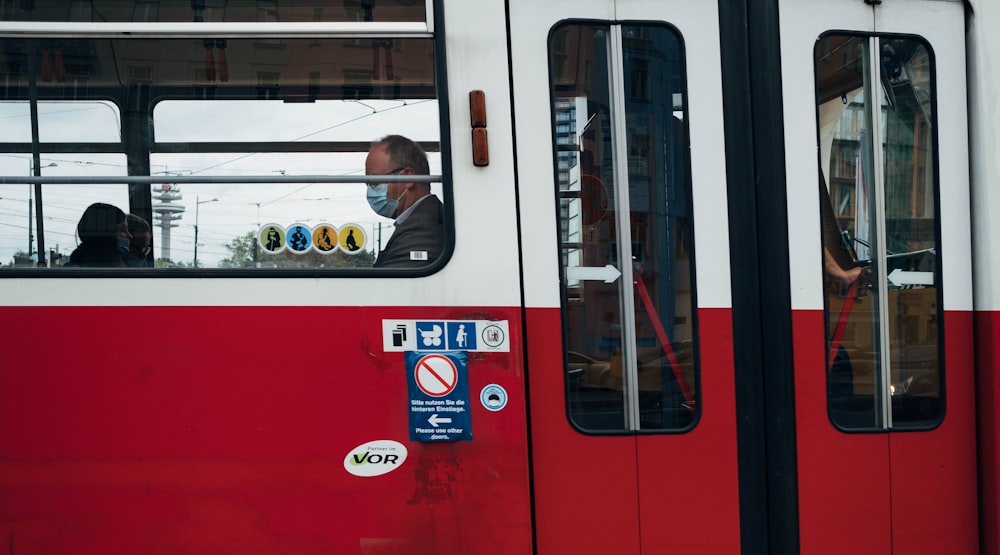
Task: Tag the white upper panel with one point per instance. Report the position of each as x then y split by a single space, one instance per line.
984 121
483 269
697 23
941 24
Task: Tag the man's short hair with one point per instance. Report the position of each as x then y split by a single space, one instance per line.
405 153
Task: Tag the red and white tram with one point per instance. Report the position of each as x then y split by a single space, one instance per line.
718 277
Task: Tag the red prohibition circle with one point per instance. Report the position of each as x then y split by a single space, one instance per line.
436 375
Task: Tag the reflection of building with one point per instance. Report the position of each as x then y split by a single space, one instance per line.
570 116
909 179
298 70
659 213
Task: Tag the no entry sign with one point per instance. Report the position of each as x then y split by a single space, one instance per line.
439 396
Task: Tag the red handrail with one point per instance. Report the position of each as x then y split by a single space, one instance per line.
661 334
838 332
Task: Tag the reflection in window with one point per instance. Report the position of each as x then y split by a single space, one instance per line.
212 10
218 109
625 227
879 223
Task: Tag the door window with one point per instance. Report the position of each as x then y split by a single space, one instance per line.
625 226
878 190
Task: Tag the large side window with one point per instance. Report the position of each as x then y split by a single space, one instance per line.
625 227
241 153
878 190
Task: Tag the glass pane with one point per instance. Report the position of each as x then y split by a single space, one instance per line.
591 224
229 230
661 227
93 121
904 116
293 70
847 213
212 10
62 205
225 108
587 224
911 237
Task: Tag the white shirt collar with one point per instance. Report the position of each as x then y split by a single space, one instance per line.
406 213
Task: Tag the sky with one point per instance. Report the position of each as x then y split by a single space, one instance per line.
239 208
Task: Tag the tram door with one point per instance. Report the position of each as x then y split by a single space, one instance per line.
625 252
877 181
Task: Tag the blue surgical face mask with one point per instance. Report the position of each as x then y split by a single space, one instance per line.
123 244
378 199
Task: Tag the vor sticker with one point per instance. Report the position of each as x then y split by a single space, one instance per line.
375 458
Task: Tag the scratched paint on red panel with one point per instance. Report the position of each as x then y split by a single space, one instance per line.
224 430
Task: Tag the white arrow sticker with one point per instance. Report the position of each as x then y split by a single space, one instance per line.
607 274
900 278
434 420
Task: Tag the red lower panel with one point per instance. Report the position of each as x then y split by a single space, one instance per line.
673 493
225 430
934 493
987 338
584 486
688 486
900 492
843 478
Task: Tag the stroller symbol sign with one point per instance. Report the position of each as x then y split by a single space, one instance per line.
430 335
446 335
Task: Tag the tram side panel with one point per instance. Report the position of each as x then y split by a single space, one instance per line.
984 142
934 484
244 435
266 414
656 472
884 365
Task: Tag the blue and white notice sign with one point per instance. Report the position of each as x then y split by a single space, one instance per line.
445 335
439 395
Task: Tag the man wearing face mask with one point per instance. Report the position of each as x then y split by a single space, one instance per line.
418 237
141 243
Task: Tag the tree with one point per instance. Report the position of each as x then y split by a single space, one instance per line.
167 263
242 251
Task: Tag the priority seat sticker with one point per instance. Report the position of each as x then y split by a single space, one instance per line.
445 335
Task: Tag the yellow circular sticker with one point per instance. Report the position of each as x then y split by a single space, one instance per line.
352 238
324 238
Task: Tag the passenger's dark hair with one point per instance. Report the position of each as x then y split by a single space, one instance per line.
99 222
98 231
403 152
136 224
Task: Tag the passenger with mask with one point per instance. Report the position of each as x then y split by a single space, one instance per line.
104 238
418 237
142 240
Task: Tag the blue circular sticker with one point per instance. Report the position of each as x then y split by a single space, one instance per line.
299 238
493 397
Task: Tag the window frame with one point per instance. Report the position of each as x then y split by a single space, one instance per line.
887 423
22 30
621 95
